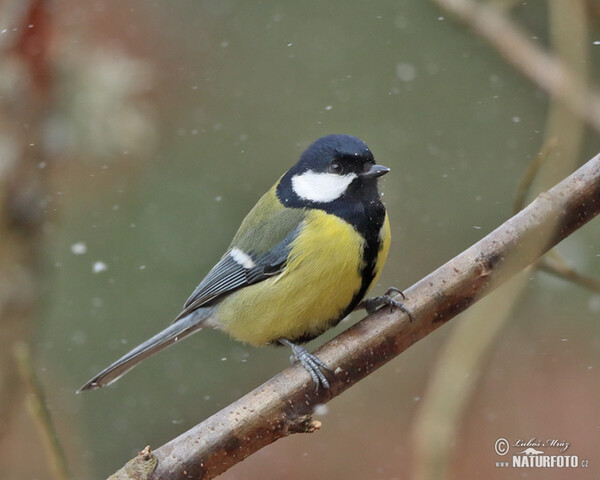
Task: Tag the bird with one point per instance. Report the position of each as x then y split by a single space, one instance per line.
303 258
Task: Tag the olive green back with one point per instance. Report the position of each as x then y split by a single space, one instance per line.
267 224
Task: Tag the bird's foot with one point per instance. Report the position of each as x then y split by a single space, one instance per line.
311 363
372 304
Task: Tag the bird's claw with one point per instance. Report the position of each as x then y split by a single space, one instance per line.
311 363
371 305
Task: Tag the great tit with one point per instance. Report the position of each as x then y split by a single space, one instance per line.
303 259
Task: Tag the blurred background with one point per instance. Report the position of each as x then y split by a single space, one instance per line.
135 136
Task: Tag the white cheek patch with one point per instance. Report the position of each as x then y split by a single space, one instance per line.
321 187
242 258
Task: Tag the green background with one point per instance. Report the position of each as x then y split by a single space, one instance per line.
177 116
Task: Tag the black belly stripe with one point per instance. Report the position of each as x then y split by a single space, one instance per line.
373 246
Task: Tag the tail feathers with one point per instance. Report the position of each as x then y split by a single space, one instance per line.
175 332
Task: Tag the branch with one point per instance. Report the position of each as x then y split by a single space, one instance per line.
284 404
24 112
40 413
555 265
458 369
542 68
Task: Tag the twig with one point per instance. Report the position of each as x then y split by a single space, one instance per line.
541 67
22 186
556 266
40 413
458 368
524 186
284 404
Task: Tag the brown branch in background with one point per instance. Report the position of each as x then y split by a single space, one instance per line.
556 265
526 181
593 8
284 404
570 40
36 403
453 378
23 114
460 363
544 69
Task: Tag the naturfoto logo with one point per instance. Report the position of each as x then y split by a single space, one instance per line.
535 453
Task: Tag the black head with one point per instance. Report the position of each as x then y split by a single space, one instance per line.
337 174
334 167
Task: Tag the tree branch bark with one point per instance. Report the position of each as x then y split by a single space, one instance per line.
284 404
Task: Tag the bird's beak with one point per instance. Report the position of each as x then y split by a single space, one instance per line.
375 171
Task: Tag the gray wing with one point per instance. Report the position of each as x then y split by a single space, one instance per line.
236 270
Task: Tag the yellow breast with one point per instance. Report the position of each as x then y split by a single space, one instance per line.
322 275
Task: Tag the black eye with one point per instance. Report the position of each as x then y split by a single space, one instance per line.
335 167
